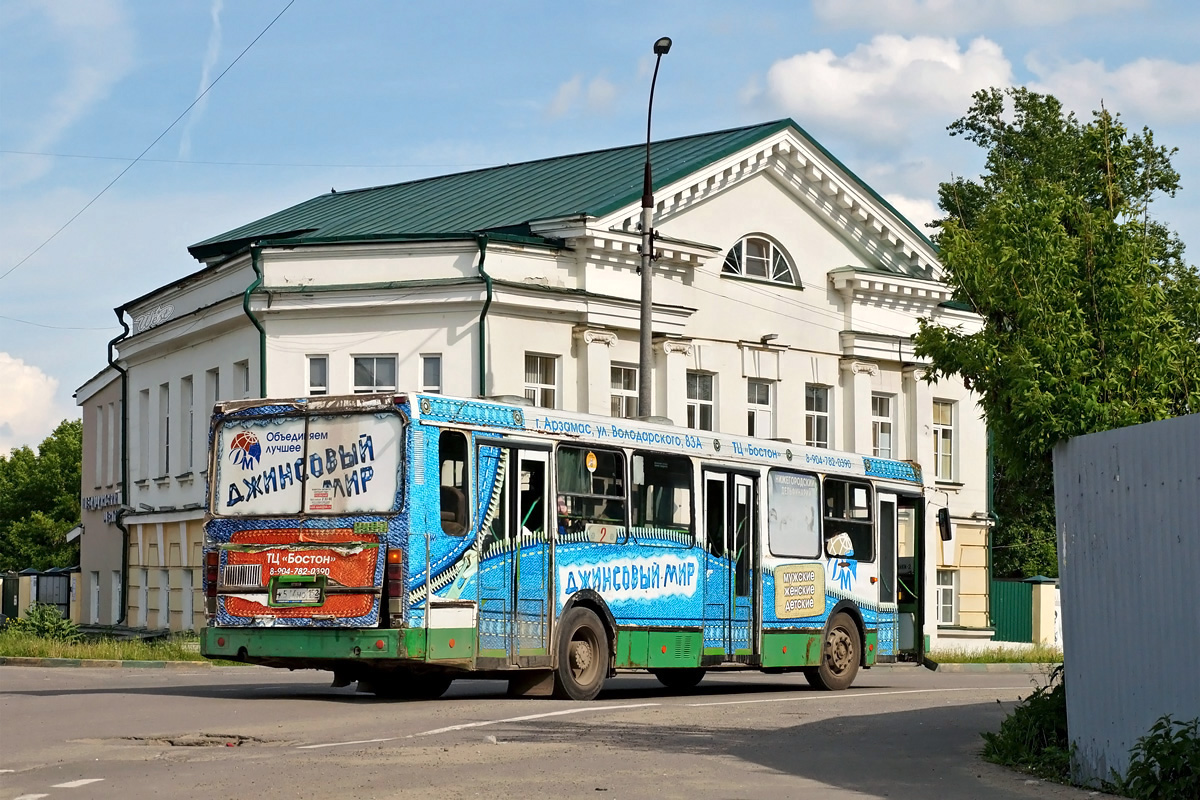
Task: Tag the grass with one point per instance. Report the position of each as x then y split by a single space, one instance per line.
174 648
1036 654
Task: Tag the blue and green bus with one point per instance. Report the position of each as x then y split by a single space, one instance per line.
403 541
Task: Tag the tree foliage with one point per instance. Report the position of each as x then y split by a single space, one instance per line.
39 501
1091 318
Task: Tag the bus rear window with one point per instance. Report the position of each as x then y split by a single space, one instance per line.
282 466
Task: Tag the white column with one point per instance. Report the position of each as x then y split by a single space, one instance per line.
857 384
670 395
918 397
595 369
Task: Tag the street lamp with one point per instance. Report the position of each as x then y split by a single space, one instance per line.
645 354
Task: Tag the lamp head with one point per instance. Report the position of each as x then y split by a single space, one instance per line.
662 46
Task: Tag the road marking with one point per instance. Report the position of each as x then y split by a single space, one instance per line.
863 694
7 770
31 797
343 744
76 784
528 717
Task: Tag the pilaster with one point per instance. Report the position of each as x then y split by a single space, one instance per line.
595 368
857 383
672 357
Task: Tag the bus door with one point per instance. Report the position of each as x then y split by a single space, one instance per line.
731 525
514 569
889 625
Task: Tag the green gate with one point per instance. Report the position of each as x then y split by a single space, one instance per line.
1012 610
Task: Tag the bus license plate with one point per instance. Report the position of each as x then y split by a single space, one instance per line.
298 595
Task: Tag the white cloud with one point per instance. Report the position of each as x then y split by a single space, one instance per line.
28 409
882 88
959 16
916 210
566 96
598 97
210 59
96 42
1145 91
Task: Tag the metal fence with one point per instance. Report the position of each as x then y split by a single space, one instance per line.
1012 610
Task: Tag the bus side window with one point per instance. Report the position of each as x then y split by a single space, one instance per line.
662 494
455 492
848 527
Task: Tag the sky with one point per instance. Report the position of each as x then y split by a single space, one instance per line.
369 92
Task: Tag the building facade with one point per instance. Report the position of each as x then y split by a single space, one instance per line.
786 293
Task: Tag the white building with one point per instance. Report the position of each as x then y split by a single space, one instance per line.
786 293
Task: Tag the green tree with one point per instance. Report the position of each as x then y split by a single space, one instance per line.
39 501
1091 318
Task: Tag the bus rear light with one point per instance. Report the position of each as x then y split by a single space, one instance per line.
211 559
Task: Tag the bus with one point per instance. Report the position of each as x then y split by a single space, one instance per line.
403 541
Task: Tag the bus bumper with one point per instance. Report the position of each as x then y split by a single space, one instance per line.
312 647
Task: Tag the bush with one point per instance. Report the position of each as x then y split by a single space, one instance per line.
44 620
1164 764
1033 737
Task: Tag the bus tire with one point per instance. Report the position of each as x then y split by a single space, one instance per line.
582 656
681 678
840 654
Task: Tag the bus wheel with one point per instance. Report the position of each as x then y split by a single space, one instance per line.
582 656
679 679
839 656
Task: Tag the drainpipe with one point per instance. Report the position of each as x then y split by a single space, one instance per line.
112 362
256 265
482 240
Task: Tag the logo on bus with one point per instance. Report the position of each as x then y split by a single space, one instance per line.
244 450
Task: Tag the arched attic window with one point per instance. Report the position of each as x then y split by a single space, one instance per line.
761 259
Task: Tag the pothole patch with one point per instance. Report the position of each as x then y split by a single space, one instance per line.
197 740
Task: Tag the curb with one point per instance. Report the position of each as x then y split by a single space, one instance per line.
101 663
1029 668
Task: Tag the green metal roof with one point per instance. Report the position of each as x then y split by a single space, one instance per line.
500 199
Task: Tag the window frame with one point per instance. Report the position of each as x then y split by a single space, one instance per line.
427 387
315 389
375 386
620 395
939 588
827 495
695 405
813 415
577 523
818 521
939 429
777 263
755 410
539 388
878 421
463 486
635 500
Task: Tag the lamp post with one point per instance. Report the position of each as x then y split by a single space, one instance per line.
645 354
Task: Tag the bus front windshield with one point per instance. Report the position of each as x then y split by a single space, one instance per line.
291 465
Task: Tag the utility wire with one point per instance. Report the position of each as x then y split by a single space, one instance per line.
151 145
57 327
234 163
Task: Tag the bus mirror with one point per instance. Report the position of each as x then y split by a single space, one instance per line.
943 522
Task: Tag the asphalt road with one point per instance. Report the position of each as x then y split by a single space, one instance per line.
253 732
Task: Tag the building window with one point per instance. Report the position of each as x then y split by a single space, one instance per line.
164 429
700 401
881 425
318 375
943 440
143 470
374 374
99 438
758 405
816 416
541 380
187 423
111 467
947 597
756 257
241 374
431 373
624 391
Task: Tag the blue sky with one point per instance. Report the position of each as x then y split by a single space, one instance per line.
367 92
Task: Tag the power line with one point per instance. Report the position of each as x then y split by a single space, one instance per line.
57 327
151 145
234 163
